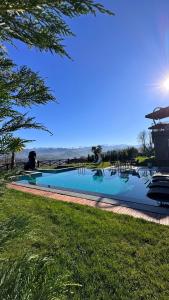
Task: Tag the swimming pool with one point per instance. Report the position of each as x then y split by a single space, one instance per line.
122 185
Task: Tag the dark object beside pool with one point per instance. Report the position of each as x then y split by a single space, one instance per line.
159 187
157 193
30 165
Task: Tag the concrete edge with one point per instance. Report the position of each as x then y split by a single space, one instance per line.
99 198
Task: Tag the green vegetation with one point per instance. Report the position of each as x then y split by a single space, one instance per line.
141 159
122 155
19 89
41 24
145 160
146 143
54 250
12 145
97 151
102 165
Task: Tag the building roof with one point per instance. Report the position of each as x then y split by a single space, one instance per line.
161 113
160 126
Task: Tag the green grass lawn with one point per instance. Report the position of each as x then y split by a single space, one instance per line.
144 160
52 250
102 165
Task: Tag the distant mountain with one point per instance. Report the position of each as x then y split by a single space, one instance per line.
65 153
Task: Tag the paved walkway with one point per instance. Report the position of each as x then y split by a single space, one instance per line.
149 216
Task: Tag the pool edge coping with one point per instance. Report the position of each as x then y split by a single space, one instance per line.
113 201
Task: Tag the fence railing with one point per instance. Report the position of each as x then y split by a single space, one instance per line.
61 163
5 166
40 163
51 163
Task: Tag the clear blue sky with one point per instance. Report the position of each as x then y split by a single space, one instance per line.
106 91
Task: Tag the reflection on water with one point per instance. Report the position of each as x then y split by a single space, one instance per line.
124 175
125 184
98 175
32 180
113 172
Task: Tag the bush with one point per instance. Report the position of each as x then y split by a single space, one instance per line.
145 161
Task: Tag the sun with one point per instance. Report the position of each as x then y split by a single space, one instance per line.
165 84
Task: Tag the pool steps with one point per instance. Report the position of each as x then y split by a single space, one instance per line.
57 170
39 172
159 187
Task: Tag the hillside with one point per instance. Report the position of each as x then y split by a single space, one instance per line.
65 153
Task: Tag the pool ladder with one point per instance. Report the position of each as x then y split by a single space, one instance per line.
81 171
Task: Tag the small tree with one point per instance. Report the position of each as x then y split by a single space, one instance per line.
145 139
150 144
142 139
15 145
97 150
19 88
42 23
4 142
132 152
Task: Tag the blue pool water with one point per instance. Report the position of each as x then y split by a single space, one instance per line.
121 185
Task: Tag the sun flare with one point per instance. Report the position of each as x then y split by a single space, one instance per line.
165 84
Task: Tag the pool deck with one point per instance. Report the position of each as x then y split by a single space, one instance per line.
149 213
